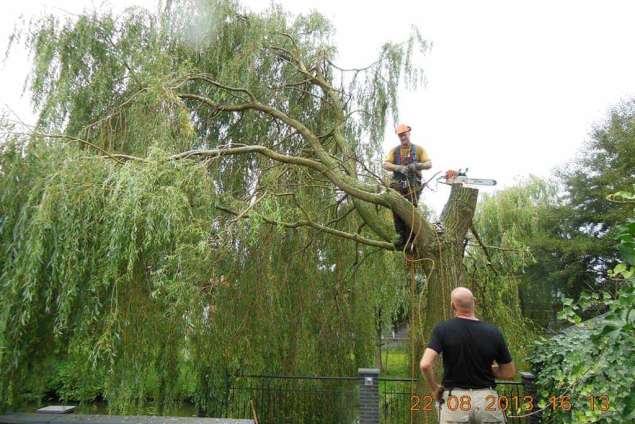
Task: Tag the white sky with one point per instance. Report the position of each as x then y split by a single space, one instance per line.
513 89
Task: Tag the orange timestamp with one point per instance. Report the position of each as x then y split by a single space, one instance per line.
592 402
464 403
503 402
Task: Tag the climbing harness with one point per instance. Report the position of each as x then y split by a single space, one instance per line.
412 156
403 181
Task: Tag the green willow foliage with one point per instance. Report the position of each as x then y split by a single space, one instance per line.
101 261
127 271
506 224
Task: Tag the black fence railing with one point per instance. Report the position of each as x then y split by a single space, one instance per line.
399 399
338 400
293 399
396 400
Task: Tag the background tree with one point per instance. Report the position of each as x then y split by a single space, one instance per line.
592 360
585 224
500 258
570 223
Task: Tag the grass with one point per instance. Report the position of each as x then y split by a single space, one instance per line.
396 362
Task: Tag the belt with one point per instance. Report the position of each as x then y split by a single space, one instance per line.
470 388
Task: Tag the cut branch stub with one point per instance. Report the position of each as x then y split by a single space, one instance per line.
458 212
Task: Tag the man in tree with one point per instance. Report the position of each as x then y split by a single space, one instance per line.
406 161
469 348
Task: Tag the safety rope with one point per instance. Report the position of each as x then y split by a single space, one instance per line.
413 284
412 263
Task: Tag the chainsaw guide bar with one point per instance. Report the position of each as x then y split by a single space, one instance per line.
466 181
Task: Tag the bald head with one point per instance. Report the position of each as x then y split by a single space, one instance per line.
462 299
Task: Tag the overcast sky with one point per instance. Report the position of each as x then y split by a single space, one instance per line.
513 87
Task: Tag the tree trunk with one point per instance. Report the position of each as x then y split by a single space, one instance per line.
447 271
378 346
440 272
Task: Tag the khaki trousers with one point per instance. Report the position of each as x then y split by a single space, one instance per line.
473 406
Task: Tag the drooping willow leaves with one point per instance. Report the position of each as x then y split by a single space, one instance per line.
200 198
501 256
129 271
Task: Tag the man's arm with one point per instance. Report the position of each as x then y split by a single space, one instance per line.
424 160
389 166
419 166
429 355
504 371
424 165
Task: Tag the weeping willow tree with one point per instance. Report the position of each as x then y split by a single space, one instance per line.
203 187
500 255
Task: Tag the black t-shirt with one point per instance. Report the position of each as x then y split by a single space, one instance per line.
469 347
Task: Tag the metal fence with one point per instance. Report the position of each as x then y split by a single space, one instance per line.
396 401
294 399
399 400
338 400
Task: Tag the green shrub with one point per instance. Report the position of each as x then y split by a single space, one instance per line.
592 363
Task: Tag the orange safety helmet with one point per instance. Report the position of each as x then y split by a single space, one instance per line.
402 128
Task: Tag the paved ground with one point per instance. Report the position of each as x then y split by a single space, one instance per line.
26 418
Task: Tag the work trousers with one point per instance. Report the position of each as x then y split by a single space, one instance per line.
412 193
473 406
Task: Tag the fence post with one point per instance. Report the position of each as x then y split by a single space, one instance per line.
369 396
529 384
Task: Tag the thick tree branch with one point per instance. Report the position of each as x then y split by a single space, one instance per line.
346 181
366 212
306 223
326 165
425 236
208 78
372 217
336 179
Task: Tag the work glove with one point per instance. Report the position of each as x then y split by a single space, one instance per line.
401 168
412 167
421 166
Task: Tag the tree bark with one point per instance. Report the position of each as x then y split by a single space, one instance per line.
447 271
441 272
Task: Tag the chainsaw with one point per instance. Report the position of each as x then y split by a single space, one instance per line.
460 177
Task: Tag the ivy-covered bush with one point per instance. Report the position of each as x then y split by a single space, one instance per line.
586 373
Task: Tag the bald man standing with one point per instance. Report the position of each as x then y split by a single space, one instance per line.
469 348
